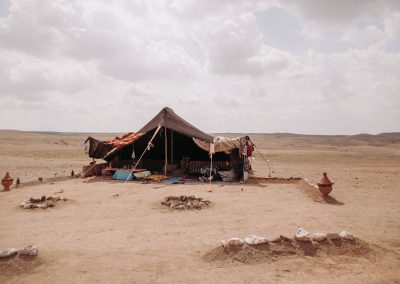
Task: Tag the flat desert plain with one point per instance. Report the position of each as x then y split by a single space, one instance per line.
114 232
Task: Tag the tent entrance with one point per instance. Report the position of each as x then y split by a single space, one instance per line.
176 150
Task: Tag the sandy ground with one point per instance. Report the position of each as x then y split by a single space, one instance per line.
96 237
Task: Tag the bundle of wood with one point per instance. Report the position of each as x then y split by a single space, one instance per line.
185 202
43 202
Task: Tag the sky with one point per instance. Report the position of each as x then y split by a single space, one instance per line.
305 66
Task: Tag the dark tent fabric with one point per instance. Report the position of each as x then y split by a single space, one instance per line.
179 135
172 147
105 149
97 149
166 118
169 119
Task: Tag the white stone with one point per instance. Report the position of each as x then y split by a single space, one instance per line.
319 237
29 250
44 205
27 206
346 235
25 202
255 240
223 244
235 242
302 235
8 252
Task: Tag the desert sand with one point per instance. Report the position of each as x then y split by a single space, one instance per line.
115 232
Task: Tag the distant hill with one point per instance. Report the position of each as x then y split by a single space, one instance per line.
268 140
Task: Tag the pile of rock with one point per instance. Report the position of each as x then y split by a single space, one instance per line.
43 202
255 249
185 202
31 250
249 240
300 235
305 236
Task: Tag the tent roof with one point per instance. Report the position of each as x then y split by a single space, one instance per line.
169 119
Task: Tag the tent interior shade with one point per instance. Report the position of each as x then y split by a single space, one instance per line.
178 146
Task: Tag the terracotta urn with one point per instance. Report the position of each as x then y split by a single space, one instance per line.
7 181
325 185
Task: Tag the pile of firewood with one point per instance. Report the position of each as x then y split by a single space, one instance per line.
185 202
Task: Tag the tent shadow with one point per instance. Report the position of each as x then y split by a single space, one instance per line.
331 200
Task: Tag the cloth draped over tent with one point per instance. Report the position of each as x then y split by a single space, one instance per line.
126 139
97 149
102 149
221 144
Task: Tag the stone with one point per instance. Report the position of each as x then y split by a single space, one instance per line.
285 239
346 235
25 202
333 236
180 207
319 237
277 240
29 250
223 244
8 252
44 206
302 235
35 199
235 242
27 206
255 240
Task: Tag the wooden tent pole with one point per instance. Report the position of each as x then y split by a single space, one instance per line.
172 149
166 151
211 158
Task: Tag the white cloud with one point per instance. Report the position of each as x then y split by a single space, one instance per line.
235 47
341 11
64 64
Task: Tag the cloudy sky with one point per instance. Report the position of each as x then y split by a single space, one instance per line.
305 66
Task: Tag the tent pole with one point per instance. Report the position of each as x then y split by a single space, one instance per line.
211 157
166 151
146 149
172 149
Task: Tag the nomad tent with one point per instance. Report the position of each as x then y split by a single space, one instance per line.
169 144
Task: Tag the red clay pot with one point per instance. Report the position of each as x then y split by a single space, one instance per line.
7 181
325 185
